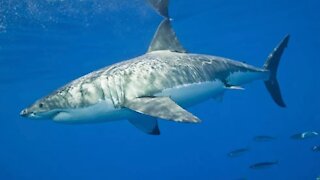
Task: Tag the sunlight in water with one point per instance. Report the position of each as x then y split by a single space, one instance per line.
42 12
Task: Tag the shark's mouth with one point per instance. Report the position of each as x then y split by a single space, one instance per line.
44 115
34 116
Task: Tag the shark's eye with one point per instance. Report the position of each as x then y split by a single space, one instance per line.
41 105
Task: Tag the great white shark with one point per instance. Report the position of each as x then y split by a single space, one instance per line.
161 83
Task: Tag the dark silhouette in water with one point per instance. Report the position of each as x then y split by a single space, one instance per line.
238 152
316 148
305 135
264 165
263 138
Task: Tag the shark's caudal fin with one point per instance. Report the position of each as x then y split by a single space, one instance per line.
161 6
272 66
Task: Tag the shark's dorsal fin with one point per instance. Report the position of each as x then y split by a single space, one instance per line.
161 6
165 39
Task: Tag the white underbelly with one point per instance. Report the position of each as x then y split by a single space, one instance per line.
191 94
240 78
102 111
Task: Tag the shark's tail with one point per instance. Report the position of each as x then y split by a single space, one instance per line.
272 66
161 6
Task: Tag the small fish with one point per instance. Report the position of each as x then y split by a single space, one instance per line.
264 165
305 135
316 148
263 138
238 152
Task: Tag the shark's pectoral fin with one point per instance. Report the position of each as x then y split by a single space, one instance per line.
146 124
161 107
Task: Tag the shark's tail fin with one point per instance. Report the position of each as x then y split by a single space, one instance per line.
272 66
161 6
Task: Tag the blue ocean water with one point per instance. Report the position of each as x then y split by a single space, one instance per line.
47 43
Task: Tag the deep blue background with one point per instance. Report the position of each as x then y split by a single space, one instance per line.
45 44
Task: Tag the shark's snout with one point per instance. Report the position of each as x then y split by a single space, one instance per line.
38 113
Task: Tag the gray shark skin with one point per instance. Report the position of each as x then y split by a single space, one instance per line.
159 84
146 75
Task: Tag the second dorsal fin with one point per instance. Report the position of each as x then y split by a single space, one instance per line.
165 39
